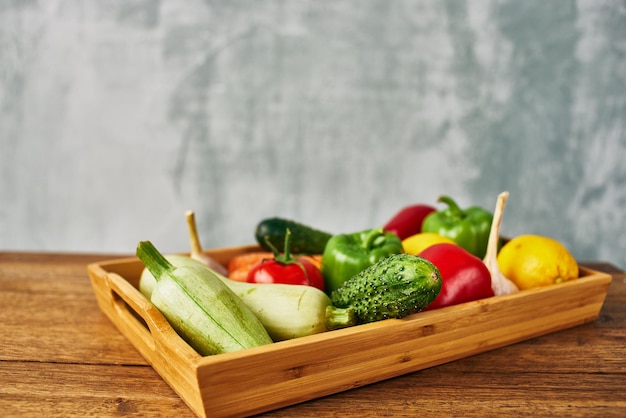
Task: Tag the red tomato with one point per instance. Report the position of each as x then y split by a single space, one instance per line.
300 271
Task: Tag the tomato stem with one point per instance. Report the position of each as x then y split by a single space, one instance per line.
286 257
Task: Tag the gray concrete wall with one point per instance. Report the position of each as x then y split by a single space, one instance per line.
117 116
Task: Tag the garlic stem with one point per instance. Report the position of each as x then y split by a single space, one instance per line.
500 284
196 249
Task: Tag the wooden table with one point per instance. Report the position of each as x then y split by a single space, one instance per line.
61 356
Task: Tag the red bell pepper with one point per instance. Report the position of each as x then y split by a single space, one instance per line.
286 269
465 277
408 221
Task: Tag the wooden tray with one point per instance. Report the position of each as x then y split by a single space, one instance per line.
264 378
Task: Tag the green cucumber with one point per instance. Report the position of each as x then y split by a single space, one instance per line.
286 311
205 312
304 239
394 287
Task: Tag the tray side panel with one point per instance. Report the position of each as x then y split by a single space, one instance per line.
295 371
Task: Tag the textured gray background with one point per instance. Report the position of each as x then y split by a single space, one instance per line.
117 116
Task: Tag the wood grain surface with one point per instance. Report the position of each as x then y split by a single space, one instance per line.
61 356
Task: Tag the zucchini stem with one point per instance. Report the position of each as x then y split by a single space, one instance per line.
154 261
337 318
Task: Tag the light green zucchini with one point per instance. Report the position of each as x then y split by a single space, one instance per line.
205 312
286 311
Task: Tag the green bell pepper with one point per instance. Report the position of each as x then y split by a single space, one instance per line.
345 255
469 228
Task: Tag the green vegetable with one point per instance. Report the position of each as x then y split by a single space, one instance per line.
469 228
200 307
304 239
394 287
346 255
285 310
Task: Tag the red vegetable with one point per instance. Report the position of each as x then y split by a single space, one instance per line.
408 221
465 276
286 269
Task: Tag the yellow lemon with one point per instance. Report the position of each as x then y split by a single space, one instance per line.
417 243
533 260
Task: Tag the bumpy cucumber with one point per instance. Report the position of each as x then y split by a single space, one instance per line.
286 311
304 239
200 307
396 286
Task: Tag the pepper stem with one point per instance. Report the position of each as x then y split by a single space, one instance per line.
455 210
154 261
371 237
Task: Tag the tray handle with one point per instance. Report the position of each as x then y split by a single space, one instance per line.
145 321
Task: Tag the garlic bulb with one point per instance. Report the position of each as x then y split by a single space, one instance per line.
499 283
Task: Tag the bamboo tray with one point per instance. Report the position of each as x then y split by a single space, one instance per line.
288 372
